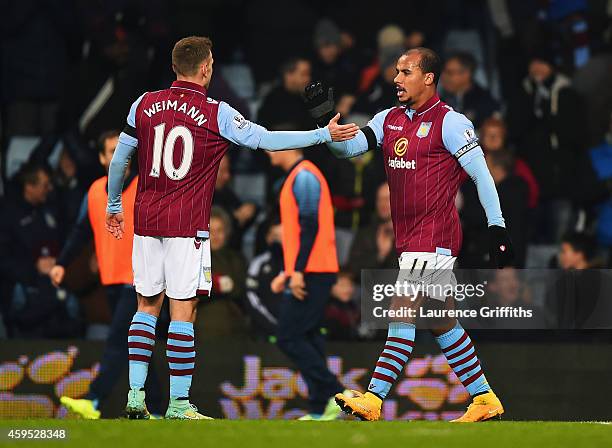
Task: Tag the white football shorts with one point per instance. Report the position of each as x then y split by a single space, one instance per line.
433 271
180 266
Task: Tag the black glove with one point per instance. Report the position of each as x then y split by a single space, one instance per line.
500 247
320 103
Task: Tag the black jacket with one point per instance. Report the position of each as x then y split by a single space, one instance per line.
476 104
26 233
262 305
544 123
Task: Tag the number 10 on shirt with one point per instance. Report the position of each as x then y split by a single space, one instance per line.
166 144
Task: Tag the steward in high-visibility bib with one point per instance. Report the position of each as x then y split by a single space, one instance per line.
315 213
114 259
114 256
311 264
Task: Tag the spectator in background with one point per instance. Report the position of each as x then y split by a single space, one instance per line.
510 287
566 23
601 161
342 311
262 304
223 315
579 290
592 82
332 65
492 138
30 240
542 124
513 197
242 214
462 93
67 187
390 39
577 251
111 75
283 108
381 92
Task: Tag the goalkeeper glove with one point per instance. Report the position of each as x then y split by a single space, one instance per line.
320 103
501 252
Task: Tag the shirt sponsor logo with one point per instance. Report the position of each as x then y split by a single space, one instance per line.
398 163
401 146
395 128
423 130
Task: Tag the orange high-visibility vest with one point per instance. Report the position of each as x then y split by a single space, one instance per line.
114 256
323 256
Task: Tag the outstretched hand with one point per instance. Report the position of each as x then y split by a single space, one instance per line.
341 132
115 224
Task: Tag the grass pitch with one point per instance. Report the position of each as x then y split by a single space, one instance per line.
290 434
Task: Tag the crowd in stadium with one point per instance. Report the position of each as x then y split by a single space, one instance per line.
534 78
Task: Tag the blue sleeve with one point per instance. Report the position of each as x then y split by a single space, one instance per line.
350 148
307 191
237 129
459 137
128 136
487 194
131 118
359 144
116 175
80 235
377 125
128 140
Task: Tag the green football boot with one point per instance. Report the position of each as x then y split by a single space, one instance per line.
136 409
183 410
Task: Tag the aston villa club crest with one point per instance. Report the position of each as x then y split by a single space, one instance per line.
423 130
207 274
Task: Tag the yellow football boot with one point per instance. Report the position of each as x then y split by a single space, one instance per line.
483 407
81 408
365 406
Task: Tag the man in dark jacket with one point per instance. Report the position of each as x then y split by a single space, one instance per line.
462 93
542 122
262 304
283 107
30 240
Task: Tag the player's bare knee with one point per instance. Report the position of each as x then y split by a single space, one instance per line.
183 310
150 305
